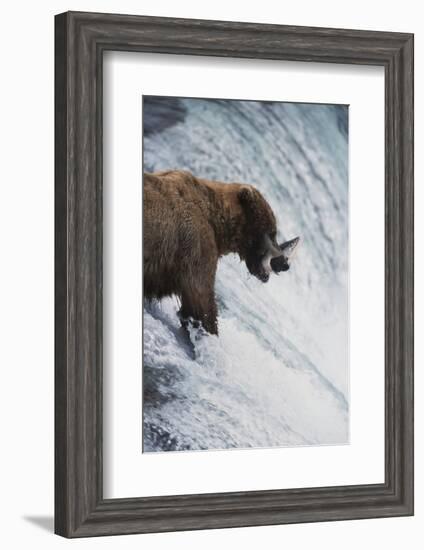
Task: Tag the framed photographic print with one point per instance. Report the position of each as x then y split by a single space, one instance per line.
234 274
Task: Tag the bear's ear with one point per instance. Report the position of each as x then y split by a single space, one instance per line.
248 200
246 196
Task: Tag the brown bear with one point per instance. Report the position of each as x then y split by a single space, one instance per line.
189 223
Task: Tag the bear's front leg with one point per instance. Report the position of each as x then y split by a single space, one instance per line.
197 276
199 305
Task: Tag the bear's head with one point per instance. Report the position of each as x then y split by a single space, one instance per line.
258 246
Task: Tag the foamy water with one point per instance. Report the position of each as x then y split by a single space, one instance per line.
277 375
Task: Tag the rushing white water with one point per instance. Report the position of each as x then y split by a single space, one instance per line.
277 375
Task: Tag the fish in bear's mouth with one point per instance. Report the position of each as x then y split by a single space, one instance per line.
277 259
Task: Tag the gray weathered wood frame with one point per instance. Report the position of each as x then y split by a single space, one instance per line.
80 40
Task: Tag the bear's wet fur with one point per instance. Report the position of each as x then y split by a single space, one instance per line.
189 223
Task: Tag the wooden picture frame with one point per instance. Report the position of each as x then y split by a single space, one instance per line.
80 40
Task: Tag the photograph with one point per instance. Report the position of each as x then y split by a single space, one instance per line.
208 275
245 274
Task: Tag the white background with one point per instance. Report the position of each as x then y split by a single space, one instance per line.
128 472
26 299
